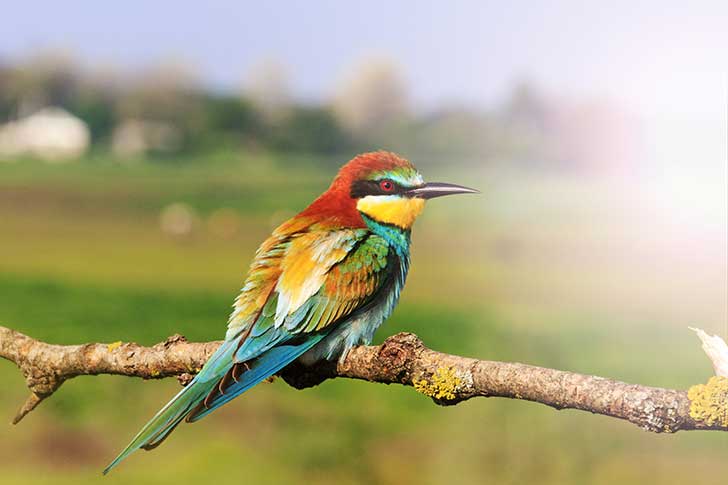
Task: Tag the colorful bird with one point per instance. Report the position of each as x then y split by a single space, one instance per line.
322 283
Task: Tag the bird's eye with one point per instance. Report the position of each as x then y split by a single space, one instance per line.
386 185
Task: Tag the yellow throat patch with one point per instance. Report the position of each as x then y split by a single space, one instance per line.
400 211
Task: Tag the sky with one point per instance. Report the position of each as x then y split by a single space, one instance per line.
652 56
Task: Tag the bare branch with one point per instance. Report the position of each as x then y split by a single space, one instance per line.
402 359
45 366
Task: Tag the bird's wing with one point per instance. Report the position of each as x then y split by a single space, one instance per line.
304 279
323 276
290 267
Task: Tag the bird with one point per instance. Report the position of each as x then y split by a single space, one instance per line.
322 283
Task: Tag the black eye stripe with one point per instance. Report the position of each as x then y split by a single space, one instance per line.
362 188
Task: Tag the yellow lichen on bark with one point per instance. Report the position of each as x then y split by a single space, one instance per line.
443 384
709 402
114 346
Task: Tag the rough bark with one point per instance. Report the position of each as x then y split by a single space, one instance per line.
402 359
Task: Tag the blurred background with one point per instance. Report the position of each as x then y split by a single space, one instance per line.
146 148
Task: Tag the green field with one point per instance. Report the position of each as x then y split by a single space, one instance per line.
548 270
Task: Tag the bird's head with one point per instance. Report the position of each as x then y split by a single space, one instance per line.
383 187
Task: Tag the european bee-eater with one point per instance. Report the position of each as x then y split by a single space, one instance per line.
323 282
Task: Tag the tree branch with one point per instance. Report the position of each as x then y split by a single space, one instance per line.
401 359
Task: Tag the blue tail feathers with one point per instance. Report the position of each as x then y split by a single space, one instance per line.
154 432
261 368
191 403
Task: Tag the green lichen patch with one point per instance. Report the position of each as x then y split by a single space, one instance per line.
442 386
709 402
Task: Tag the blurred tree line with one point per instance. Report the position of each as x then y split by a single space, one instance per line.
166 109
166 95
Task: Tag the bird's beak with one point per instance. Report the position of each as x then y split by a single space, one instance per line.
438 189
